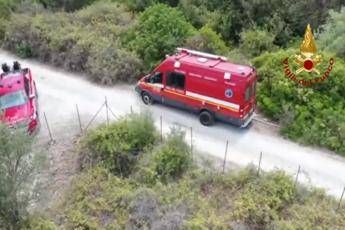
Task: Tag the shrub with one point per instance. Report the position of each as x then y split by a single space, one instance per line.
139 5
83 41
117 145
255 41
195 11
208 41
143 210
261 201
16 171
313 115
159 31
97 200
39 222
333 35
173 158
110 65
285 18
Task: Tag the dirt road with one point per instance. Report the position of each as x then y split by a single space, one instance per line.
59 92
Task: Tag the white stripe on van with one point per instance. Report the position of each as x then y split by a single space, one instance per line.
214 100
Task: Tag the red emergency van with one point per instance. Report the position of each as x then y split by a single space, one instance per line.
206 84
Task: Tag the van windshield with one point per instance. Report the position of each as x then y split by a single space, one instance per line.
13 99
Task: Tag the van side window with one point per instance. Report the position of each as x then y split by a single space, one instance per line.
26 86
247 93
254 88
176 80
156 78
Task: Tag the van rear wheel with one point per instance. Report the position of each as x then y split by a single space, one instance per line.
147 99
206 118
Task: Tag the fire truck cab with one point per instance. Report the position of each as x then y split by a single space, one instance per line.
206 84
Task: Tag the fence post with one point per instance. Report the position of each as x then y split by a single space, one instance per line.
50 133
131 109
296 180
191 141
259 167
225 155
341 198
161 127
107 110
79 120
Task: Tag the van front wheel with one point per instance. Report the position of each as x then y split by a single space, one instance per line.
147 99
206 118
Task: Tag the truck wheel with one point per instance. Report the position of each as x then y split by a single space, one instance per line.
206 118
147 99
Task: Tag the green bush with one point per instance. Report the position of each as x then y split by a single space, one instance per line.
139 5
285 19
173 158
116 146
39 222
97 200
255 41
208 41
195 11
160 29
83 41
109 65
17 170
313 115
333 35
262 200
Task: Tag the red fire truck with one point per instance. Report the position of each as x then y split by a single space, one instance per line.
18 98
204 83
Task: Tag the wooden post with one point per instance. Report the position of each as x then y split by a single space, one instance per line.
161 127
50 133
259 167
296 180
79 120
341 198
225 155
191 141
107 109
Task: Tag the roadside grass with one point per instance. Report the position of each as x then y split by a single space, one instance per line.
179 194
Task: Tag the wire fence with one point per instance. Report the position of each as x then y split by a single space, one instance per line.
78 128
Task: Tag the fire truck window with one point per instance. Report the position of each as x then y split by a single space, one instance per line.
26 86
156 78
254 88
247 93
176 80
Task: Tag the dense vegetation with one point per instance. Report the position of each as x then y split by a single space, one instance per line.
119 40
166 189
17 166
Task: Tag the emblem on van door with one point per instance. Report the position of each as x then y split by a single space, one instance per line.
228 93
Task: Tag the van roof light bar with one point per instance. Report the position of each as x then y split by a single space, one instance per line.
201 54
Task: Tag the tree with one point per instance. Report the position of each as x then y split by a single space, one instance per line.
208 41
256 41
159 31
333 36
16 167
285 18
